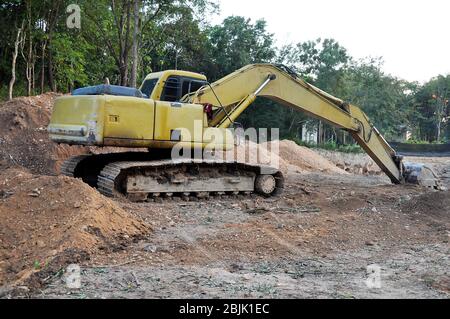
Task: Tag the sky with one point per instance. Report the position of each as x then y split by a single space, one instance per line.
412 36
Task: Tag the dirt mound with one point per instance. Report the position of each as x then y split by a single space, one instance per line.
436 204
306 159
355 163
24 139
253 153
285 154
44 219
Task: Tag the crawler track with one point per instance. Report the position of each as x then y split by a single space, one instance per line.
143 178
68 167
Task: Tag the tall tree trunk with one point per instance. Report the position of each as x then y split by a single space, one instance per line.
30 51
33 74
28 57
30 65
43 67
319 132
439 129
28 61
135 44
14 59
51 78
53 17
126 47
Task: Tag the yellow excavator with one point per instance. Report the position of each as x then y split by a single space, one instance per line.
175 109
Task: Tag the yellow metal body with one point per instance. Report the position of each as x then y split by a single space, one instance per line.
106 120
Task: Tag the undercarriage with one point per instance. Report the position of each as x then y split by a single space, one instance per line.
142 176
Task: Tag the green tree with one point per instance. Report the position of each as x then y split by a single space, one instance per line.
433 109
178 43
236 43
69 63
321 62
386 99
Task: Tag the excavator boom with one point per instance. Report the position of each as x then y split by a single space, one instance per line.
235 92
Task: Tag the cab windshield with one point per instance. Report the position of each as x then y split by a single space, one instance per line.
148 86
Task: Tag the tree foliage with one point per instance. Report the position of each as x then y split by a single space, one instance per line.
238 42
118 37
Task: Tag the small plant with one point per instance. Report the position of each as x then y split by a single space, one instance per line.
209 219
100 270
36 265
266 289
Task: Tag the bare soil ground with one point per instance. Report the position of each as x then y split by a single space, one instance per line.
315 241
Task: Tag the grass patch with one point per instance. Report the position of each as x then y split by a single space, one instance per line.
332 146
421 142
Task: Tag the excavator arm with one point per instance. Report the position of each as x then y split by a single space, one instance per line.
232 94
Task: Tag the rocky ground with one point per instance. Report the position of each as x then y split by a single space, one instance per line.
327 235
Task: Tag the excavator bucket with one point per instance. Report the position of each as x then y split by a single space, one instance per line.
420 174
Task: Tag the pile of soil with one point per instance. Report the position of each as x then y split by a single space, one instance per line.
355 163
306 159
253 153
24 140
47 222
285 154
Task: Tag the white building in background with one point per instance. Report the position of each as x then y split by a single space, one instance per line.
408 135
405 134
310 134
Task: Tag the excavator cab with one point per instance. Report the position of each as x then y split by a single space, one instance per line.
172 85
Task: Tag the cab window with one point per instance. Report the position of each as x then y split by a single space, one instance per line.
177 86
148 86
190 86
171 92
